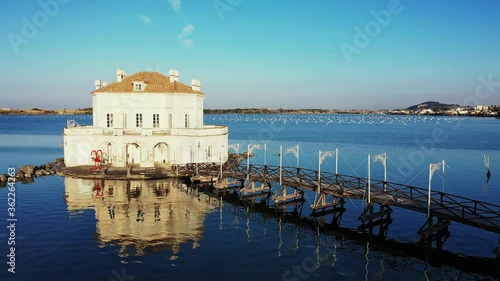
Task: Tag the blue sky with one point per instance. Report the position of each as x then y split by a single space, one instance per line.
254 53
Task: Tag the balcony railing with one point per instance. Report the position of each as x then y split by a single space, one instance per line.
209 130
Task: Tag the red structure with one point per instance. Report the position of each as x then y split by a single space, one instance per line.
96 156
98 189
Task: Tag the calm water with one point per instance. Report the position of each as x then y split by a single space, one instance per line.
68 230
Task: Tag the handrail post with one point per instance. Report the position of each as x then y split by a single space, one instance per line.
281 164
248 162
318 190
369 172
249 167
429 194
265 154
299 175
385 172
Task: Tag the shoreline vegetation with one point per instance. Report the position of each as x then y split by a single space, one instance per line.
38 111
446 111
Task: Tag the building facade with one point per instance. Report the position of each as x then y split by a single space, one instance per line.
147 119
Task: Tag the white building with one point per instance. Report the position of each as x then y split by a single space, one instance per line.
481 107
147 119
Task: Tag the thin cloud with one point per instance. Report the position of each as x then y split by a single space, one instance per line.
186 31
187 42
176 5
144 19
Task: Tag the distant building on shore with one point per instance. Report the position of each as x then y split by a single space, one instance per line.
147 119
481 107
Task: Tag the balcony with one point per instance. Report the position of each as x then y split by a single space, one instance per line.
209 130
83 130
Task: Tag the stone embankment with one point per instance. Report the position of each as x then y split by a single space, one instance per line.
27 173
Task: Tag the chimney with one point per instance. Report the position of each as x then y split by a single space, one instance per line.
177 76
97 84
195 85
104 83
171 74
120 74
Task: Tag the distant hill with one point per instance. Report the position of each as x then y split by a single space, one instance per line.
432 105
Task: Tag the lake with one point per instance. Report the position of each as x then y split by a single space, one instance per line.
74 229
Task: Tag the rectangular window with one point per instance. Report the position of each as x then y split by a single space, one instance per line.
170 120
156 120
125 121
138 120
109 120
209 153
186 120
138 87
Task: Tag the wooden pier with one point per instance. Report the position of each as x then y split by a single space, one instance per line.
332 190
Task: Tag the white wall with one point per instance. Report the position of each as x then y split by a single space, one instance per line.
186 146
148 104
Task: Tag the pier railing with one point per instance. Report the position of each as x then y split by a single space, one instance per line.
444 205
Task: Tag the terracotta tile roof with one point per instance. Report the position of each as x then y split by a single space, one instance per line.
155 83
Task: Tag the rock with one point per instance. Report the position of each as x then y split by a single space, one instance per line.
28 172
27 180
27 169
19 175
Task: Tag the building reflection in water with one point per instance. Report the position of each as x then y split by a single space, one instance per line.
141 216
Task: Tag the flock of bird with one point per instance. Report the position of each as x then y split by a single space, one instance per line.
328 119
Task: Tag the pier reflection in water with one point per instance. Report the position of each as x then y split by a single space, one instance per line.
138 218
141 216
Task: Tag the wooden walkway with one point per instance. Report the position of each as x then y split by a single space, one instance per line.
445 206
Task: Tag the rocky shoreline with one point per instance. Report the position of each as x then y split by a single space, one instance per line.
27 173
